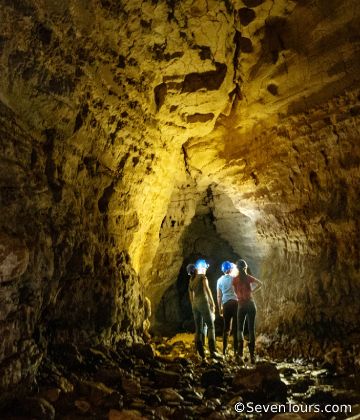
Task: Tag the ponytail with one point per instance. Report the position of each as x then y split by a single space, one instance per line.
242 267
243 275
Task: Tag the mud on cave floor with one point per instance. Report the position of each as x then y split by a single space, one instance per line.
166 380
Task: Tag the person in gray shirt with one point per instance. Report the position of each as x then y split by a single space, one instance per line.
227 302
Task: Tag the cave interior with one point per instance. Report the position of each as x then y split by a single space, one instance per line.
139 136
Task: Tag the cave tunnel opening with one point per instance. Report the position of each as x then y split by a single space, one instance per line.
201 239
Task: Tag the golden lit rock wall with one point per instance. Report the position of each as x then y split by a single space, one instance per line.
299 189
283 167
288 157
97 98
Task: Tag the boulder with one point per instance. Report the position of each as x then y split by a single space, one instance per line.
265 379
125 415
14 258
166 379
212 377
143 351
168 395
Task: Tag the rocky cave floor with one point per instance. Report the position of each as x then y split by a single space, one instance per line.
166 380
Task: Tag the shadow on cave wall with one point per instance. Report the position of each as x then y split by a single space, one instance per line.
200 240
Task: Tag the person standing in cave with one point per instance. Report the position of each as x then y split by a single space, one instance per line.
244 284
227 302
203 308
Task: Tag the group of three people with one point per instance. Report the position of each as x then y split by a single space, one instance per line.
234 296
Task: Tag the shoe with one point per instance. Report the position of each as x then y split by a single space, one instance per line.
239 360
204 362
215 355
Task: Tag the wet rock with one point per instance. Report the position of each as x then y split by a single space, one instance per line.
38 408
166 379
275 390
286 371
235 400
65 385
320 373
213 377
164 349
346 396
188 376
355 412
14 258
183 361
181 413
82 406
138 404
326 394
320 395
192 395
217 416
51 395
125 415
151 398
94 358
263 380
164 411
179 346
214 391
301 384
254 378
169 395
97 392
301 416
68 355
143 351
127 363
109 376
131 386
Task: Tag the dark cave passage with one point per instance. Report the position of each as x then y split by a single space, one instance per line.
200 240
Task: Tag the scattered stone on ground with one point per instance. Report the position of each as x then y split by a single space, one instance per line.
159 384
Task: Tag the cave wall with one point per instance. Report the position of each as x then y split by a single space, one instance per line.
116 119
299 187
284 165
96 100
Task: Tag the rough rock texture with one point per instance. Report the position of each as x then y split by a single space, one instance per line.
137 135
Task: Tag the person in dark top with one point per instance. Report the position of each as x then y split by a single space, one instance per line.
227 302
203 308
244 284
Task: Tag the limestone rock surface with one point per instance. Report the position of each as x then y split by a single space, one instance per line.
136 136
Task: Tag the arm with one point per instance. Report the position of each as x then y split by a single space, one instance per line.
256 282
219 300
209 294
191 296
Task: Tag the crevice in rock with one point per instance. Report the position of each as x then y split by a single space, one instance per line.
210 80
105 198
195 118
